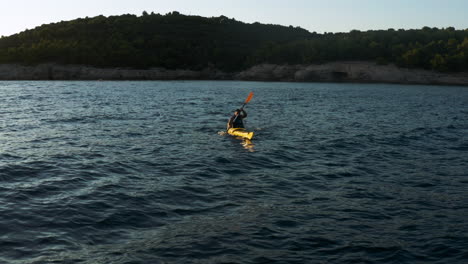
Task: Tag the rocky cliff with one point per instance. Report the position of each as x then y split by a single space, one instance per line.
350 72
329 72
77 72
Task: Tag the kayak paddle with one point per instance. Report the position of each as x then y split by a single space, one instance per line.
247 100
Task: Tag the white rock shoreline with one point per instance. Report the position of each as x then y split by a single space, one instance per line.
356 71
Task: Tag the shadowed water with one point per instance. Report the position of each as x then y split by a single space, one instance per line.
137 172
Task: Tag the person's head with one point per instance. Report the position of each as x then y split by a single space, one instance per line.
237 111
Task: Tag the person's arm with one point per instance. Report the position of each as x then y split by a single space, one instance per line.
244 114
229 123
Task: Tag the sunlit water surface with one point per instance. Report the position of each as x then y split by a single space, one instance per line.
140 172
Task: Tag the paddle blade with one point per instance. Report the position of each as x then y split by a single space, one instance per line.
249 97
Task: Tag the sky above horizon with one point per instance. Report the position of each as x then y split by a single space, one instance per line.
313 15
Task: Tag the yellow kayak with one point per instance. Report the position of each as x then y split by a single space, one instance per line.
240 132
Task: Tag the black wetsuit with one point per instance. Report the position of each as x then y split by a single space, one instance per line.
236 121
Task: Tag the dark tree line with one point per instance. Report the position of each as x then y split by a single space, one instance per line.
428 48
192 42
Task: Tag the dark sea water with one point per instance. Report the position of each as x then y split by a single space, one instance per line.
140 172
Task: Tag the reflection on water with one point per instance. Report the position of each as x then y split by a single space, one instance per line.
248 145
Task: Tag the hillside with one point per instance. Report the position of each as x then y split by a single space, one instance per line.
151 40
176 41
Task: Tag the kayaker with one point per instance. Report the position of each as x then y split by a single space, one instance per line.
236 121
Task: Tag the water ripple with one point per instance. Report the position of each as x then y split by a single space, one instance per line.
136 172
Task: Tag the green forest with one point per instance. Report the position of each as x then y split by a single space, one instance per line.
177 41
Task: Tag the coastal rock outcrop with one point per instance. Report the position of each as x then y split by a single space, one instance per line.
78 72
350 72
355 71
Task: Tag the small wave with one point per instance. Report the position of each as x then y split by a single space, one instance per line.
25 170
